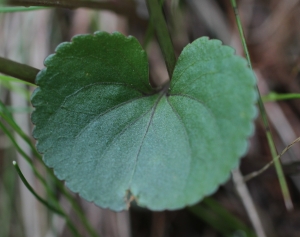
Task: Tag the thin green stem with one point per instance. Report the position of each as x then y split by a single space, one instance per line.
77 209
58 211
49 206
58 184
150 31
6 115
25 156
275 97
274 153
50 193
18 70
20 9
163 36
8 118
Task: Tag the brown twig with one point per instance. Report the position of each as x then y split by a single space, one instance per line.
256 173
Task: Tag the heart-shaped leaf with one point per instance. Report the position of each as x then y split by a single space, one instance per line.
114 139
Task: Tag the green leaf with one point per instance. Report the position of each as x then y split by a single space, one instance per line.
115 139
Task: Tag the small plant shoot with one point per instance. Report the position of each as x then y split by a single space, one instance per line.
114 139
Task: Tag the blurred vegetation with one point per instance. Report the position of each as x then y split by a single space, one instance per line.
272 34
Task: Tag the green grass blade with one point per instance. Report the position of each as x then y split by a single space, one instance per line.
23 92
50 193
164 39
231 221
272 96
37 174
14 142
7 197
49 206
207 216
6 115
20 9
279 171
215 215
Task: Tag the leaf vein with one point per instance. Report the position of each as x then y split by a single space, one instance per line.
147 129
119 134
105 112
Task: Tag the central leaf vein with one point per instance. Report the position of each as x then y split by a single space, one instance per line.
143 139
116 136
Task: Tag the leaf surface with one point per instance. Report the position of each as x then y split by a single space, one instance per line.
115 139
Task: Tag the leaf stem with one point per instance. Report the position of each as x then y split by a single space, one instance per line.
18 70
164 39
274 153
